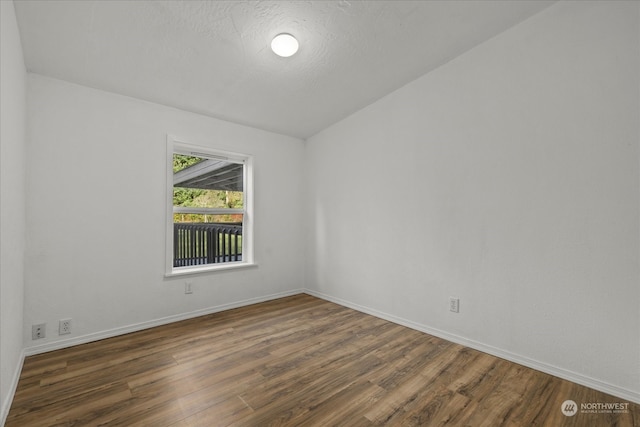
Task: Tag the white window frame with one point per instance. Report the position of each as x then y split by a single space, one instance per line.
177 146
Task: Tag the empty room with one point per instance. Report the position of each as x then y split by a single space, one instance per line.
319 213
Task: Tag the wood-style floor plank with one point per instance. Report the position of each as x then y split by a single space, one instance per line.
296 361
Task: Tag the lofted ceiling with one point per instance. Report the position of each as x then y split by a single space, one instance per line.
213 57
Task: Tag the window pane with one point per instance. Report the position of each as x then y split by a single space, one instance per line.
206 239
201 239
232 219
207 183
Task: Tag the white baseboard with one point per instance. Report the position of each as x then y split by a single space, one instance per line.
6 405
57 345
575 377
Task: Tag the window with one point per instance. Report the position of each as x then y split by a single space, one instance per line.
208 209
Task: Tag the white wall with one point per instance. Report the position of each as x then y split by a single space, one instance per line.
12 202
96 211
508 178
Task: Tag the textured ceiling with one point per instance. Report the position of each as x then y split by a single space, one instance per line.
213 57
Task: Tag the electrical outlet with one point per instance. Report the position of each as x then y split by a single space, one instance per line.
38 331
64 327
188 289
454 305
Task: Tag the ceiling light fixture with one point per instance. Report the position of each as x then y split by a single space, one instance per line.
284 45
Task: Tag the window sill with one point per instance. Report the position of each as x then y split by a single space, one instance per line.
184 271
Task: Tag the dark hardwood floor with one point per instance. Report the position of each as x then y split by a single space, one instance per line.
296 361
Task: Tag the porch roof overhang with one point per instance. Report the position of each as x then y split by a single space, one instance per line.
211 174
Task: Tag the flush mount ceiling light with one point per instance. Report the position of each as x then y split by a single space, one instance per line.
284 45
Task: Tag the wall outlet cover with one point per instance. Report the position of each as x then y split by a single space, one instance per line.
454 305
64 327
38 331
